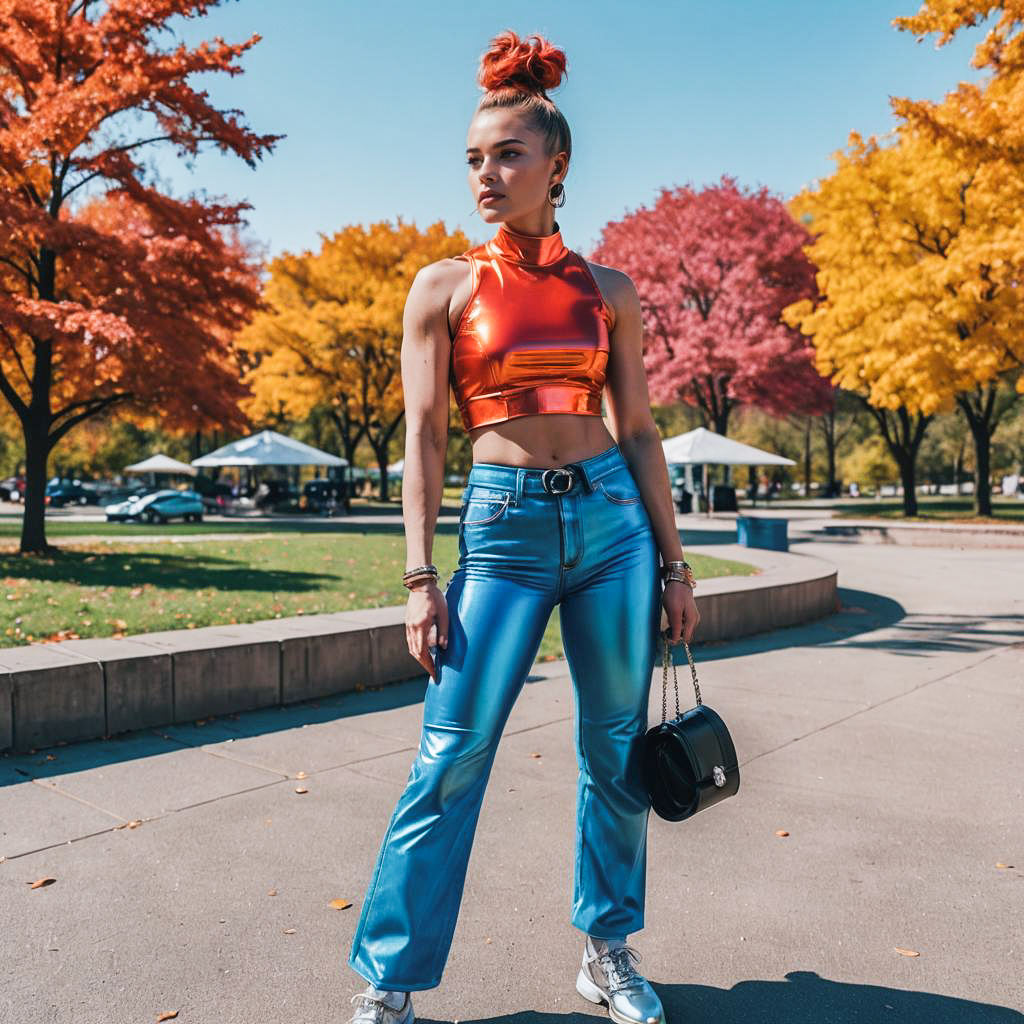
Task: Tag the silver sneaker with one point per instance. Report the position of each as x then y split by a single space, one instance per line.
378 1007
609 977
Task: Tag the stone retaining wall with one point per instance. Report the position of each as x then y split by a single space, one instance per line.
87 689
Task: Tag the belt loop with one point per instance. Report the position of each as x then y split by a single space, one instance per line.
517 497
581 470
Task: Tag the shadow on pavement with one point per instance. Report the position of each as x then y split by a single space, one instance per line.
860 612
804 997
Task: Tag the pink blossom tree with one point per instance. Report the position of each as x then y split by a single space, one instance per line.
713 269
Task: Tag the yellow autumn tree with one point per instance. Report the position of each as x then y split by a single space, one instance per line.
331 334
920 303
983 119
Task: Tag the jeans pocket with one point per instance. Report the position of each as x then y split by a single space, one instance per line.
481 506
619 487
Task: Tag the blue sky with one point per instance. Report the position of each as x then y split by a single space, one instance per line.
375 100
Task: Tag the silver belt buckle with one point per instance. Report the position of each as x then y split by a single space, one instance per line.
549 476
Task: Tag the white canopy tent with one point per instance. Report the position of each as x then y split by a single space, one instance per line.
703 446
161 463
269 448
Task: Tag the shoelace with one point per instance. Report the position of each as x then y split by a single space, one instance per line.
373 1001
617 968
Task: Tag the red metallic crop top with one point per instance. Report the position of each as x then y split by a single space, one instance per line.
534 335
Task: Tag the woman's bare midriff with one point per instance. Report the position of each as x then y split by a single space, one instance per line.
541 441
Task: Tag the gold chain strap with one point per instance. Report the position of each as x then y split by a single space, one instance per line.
665 660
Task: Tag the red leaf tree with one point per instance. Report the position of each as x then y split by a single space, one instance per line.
113 293
713 270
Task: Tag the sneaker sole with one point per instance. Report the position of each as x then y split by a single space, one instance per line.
589 990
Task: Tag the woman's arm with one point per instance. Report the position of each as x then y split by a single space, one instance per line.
636 433
629 407
426 351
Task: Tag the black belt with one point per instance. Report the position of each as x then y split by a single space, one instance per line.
559 480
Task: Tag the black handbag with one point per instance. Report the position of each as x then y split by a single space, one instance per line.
689 762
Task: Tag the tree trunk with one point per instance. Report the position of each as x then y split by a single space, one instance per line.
381 451
903 437
982 470
828 433
983 415
807 458
33 522
908 478
712 399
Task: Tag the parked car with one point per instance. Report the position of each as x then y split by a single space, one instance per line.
65 492
158 507
12 489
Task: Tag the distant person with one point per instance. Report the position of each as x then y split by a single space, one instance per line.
554 514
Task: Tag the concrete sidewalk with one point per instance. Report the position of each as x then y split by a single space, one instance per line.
885 739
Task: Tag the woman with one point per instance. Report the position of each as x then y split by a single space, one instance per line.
556 512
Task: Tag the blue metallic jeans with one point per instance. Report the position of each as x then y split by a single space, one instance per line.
523 549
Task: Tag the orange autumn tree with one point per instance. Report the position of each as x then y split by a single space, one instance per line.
983 119
331 335
921 304
113 293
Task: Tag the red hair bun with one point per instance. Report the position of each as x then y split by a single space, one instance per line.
513 63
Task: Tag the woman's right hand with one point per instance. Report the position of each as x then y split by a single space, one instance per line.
426 606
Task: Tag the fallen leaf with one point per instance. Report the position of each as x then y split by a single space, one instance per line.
341 904
1000 864
781 832
167 1015
906 952
289 931
272 892
301 789
300 775
45 880
535 754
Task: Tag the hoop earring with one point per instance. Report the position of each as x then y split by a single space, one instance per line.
556 194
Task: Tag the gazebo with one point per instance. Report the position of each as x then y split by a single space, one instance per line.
269 448
161 463
702 446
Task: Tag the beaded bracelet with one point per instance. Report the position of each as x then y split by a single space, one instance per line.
422 572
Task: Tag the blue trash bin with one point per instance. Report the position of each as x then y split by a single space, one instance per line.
757 532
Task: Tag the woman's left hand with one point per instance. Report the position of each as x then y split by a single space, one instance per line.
681 609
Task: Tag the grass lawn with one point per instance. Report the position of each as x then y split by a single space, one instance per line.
936 508
119 589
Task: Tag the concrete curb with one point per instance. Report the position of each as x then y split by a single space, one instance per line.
980 535
88 689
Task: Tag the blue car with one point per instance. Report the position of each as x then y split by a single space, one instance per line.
61 493
158 507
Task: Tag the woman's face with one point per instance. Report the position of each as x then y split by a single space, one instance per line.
507 157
